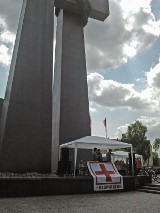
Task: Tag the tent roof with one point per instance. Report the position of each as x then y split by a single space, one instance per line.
124 154
90 142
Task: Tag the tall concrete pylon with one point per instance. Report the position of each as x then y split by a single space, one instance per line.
26 121
71 118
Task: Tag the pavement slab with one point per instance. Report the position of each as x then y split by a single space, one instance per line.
115 202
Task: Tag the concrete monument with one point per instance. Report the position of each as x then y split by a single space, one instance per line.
26 120
70 94
1 104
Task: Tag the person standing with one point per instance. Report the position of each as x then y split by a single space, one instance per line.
108 155
99 155
94 155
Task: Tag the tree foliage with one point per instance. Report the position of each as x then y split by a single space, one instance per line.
156 144
155 159
136 135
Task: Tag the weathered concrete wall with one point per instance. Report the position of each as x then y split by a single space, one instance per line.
1 104
26 121
70 101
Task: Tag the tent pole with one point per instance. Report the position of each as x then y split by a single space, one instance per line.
106 131
75 158
141 160
132 161
59 153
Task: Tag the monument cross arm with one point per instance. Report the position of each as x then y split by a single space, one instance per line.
97 9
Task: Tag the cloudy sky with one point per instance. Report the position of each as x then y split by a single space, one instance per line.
123 63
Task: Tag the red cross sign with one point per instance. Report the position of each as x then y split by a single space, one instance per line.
105 172
105 176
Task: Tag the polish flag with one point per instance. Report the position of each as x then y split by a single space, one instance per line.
105 122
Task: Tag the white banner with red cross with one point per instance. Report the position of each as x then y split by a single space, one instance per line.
105 175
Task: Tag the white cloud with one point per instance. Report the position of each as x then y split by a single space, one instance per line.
153 80
7 37
4 55
151 122
9 12
6 44
112 94
153 125
130 29
9 15
153 77
121 130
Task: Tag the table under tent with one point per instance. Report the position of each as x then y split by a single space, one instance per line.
121 160
90 142
124 155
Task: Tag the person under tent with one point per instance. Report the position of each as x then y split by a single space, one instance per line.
108 155
94 155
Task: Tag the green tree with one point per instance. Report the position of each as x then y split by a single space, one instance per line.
156 144
136 136
155 159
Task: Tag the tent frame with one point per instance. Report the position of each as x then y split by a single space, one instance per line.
78 144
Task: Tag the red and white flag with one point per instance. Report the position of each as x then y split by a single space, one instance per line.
105 122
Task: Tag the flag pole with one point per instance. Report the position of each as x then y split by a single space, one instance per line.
90 124
105 125
106 131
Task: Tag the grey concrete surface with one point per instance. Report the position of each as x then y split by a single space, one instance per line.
1 104
97 9
70 93
122 202
26 121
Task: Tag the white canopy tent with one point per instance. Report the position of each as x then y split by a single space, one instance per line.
124 154
90 142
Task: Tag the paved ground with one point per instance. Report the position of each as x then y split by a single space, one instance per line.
121 202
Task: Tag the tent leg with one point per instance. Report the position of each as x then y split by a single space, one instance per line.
75 159
132 161
59 153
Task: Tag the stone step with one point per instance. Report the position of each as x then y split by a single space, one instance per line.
149 191
153 185
150 188
157 188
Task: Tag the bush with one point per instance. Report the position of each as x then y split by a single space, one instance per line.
157 169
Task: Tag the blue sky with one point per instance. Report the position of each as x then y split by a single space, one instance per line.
123 64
